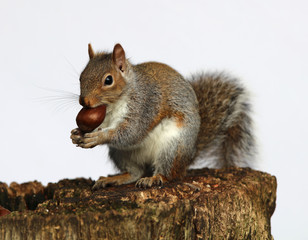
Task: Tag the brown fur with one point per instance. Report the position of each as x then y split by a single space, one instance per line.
178 169
113 180
159 117
90 51
167 114
179 118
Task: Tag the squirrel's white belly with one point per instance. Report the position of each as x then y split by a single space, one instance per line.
159 140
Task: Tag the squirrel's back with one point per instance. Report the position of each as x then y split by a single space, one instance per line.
166 92
225 134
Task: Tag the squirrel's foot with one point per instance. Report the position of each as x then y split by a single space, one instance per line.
116 180
156 180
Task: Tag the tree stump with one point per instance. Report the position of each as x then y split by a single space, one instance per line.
233 203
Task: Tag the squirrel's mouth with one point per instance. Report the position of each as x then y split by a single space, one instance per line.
91 102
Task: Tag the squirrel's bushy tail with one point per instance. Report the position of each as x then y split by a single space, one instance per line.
225 134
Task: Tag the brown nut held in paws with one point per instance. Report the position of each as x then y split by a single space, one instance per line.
90 118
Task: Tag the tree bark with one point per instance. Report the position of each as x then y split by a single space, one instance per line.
234 203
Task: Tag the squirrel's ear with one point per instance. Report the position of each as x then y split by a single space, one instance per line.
90 51
118 57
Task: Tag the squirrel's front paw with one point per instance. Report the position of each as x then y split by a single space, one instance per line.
76 135
87 140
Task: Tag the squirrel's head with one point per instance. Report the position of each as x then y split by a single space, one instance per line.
103 79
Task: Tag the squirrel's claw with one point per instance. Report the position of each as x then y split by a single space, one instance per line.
86 145
157 180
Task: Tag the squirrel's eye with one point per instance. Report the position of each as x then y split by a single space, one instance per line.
108 80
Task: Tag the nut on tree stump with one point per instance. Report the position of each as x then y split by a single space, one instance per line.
234 203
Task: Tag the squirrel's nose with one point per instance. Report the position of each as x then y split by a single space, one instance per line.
88 102
83 101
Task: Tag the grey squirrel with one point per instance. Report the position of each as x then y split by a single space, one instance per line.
157 123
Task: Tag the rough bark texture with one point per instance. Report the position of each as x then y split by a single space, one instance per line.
230 203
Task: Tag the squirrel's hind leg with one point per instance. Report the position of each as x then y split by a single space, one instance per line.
120 179
174 152
171 165
156 180
130 171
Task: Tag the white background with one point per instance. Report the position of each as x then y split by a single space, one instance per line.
44 48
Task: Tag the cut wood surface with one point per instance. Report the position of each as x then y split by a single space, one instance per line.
234 203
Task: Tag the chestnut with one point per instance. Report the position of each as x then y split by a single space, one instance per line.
90 118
